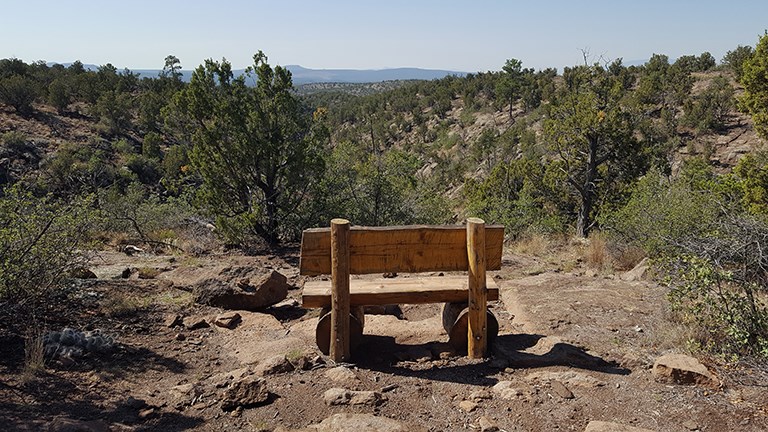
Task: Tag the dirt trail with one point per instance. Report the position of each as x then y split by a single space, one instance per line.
573 348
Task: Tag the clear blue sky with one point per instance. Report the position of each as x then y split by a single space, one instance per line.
470 36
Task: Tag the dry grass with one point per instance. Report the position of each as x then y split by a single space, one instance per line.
34 354
120 305
532 244
596 254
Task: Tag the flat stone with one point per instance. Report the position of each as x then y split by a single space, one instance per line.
196 323
487 425
683 369
341 374
467 406
690 425
173 320
340 396
246 391
561 390
569 378
228 320
273 365
346 422
603 426
506 390
479 395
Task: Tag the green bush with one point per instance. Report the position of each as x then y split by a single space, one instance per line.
39 244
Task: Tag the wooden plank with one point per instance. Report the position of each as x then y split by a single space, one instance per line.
477 337
383 291
340 336
403 249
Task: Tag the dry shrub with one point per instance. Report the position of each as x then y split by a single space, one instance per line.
532 244
596 253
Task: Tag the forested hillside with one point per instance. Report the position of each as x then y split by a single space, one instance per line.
632 152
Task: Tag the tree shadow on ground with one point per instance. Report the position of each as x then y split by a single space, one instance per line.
383 354
81 390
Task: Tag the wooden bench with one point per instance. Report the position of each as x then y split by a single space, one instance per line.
341 250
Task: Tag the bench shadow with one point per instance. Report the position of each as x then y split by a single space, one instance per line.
383 354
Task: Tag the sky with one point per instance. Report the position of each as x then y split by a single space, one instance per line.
467 36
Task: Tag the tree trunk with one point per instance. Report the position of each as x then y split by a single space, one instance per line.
587 191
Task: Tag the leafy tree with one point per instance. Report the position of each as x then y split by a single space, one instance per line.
113 109
755 81
19 92
172 68
510 84
709 110
591 127
254 147
59 94
734 59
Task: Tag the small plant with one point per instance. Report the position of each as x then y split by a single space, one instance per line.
34 354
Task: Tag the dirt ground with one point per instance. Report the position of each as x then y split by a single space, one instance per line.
575 346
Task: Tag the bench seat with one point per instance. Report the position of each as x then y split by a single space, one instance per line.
399 290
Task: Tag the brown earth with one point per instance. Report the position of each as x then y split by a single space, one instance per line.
575 346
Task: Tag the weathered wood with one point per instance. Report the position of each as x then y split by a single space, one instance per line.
400 290
323 329
340 336
409 249
477 336
456 324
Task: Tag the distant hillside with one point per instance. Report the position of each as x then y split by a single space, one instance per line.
302 75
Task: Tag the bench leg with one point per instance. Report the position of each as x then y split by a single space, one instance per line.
323 329
456 324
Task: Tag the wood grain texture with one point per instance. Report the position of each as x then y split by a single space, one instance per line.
340 332
477 338
384 291
404 249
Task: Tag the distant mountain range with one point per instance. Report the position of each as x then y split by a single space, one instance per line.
302 75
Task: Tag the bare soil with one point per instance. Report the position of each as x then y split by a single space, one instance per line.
593 334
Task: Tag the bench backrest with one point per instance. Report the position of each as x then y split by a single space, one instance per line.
404 249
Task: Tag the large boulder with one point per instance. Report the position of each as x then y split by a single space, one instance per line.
247 294
244 392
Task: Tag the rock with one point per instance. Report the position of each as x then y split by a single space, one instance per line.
561 390
341 374
683 369
180 337
173 320
306 361
487 425
126 273
467 406
146 413
228 320
273 365
244 392
267 291
184 394
340 396
638 272
130 250
197 323
690 425
506 390
133 403
63 424
602 426
361 423
479 395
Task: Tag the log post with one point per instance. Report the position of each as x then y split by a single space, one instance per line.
340 336
477 338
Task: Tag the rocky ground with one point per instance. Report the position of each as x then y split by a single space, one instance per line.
578 350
